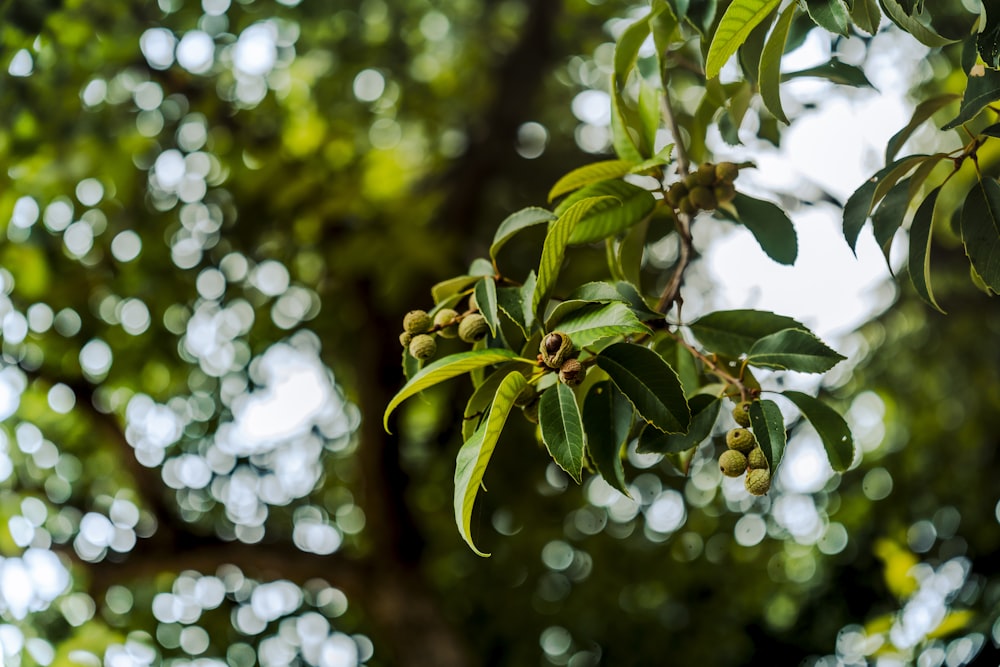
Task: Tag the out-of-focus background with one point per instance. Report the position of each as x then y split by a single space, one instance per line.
214 216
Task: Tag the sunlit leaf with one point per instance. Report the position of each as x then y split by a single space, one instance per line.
607 418
621 139
588 174
474 456
514 223
562 429
793 350
593 323
981 230
769 429
831 427
448 288
733 332
649 383
624 205
740 18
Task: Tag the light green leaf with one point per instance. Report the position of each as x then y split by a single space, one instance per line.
474 456
623 205
511 302
649 114
621 139
445 369
733 332
981 230
649 383
770 63
662 157
528 301
920 248
831 427
912 24
631 39
793 350
448 288
588 174
982 88
481 267
515 222
921 113
486 299
562 429
836 71
831 15
704 413
478 404
593 323
607 418
769 429
769 224
866 15
554 249
740 18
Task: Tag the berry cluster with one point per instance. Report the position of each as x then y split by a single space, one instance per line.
744 454
419 329
705 188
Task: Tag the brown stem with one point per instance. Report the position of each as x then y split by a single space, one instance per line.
672 291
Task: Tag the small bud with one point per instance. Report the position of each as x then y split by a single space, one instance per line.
472 328
741 413
571 373
732 463
703 198
741 440
444 319
417 321
756 459
556 348
758 482
423 346
726 172
405 338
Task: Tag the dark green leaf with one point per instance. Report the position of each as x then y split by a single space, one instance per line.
835 71
605 292
890 215
860 204
793 350
588 174
733 332
924 110
623 205
486 299
769 429
593 323
920 248
607 418
831 15
988 41
649 383
981 230
982 88
526 217
681 360
704 413
749 53
866 15
511 302
769 225
912 24
741 17
701 14
831 427
991 131
474 456
562 429
770 63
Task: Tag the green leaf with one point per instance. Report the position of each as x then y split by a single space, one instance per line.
662 157
740 18
681 360
831 427
991 131
528 301
607 419
511 302
588 174
605 292
478 404
890 215
769 225
649 383
981 231
831 15
920 248
921 113
750 51
621 140
988 41
593 323
474 456
866 15
649 114
770 63
515 222
860 204
629 43
912 24
623 205
733 332
769 429
704 413
445 369
554 249
486 299
793 350
983 87
481 267
835 71
562 429
448 288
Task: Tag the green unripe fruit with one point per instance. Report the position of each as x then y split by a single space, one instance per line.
758 482
676 192
705 174
732 463
472 328
417 321
555 349
702 198
686 206
423 346
741 413
756 459
405 338
726 172
444 319
724 192
741 440
572 372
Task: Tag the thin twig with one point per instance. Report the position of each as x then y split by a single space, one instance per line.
672 291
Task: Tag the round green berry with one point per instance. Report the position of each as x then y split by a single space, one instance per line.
444 319
686 206
705 174
702 198
741 440
756 459
423 346
676 192
758 482
405 338
741 413
417 322
732 463
724 192
726 172
472 328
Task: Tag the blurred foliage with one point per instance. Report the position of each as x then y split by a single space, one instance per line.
193 226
